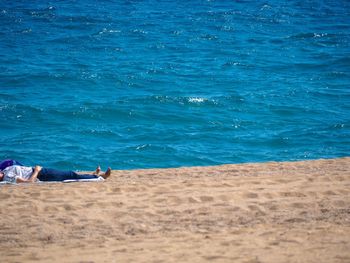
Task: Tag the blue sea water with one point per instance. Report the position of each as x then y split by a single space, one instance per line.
139 84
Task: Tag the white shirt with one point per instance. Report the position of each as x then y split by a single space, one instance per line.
13 172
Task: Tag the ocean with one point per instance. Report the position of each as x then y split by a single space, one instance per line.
154 84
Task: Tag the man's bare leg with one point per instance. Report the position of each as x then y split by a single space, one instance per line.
97 171
107 173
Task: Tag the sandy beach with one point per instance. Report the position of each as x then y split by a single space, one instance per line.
266 212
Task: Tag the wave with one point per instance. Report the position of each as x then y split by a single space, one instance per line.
308 35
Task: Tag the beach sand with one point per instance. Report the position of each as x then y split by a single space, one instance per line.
266 212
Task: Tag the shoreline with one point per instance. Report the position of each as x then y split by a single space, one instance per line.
224 164
250 212
229 164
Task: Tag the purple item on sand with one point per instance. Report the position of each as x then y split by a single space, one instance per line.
6 163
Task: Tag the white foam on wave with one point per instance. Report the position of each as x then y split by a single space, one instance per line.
196 100
106 31
320 35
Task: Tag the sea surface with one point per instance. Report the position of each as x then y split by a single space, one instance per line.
140 84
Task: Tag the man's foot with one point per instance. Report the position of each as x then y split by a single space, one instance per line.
97 171
107 173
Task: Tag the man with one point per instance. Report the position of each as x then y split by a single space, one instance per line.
24 174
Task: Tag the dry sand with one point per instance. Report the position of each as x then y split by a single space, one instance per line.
269 212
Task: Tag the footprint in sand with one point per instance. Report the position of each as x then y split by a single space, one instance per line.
250 195
329 193
256 209
234 209
89 204
340 203
174 200
160 200
273 207
50 208
4 196
114 190
299 205
193 200
269 195
67 207
206 198
224 198
295 220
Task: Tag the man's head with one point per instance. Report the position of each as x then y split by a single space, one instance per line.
1 176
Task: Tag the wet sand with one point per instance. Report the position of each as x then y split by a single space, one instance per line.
267 212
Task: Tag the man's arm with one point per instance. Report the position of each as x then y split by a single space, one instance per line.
33 178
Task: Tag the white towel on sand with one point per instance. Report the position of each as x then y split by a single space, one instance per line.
98 179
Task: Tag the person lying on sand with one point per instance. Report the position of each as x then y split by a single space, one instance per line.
24 174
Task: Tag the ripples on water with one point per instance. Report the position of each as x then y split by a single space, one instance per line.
138 84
